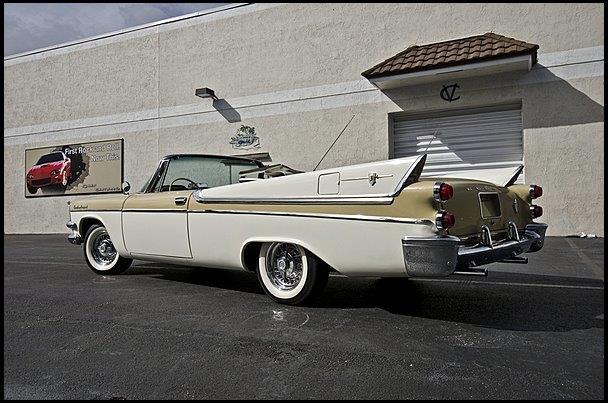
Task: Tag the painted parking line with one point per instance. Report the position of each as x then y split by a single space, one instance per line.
583 287
29 261
599 271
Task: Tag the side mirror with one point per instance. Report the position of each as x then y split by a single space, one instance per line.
202 185
126 186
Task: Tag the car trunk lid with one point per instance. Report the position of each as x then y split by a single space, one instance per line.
476 204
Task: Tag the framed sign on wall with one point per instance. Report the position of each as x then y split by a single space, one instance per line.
72 169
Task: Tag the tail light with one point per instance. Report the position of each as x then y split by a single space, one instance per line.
442 192
536 191
536 211
444 220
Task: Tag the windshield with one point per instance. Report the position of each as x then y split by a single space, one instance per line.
52 157
189 172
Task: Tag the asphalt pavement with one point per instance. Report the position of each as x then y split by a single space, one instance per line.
158 331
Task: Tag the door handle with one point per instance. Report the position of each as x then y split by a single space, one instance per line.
180 200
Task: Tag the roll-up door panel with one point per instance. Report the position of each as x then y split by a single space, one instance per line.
480 138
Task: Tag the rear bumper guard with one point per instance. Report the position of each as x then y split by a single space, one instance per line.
438 256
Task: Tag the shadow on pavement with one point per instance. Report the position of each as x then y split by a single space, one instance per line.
506 301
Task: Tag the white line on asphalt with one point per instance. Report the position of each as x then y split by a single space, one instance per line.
584 287
44 262
594 267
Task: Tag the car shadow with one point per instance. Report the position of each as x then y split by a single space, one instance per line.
211 277
506 301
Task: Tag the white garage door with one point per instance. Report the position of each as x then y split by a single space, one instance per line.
461 140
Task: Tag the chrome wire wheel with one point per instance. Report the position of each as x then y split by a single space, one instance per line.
284 265
283 269
100 250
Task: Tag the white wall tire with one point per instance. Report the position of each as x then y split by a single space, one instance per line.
100 254
289 274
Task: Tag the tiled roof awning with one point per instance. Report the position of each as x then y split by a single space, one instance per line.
447 55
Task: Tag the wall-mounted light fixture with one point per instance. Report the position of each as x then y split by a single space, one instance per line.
205 93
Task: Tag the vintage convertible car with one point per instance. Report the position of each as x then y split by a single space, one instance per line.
51 169
377 219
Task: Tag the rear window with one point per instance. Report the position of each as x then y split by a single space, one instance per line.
53 157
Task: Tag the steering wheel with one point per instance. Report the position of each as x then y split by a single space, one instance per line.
185 179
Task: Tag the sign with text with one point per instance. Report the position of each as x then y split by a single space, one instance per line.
71 169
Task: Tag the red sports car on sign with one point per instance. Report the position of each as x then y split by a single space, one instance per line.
51 169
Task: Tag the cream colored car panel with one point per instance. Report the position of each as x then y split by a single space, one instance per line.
155 224
151 233
110 219
99 203
353 247
354 180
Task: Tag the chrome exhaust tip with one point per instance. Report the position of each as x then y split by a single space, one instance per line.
516 259
472 272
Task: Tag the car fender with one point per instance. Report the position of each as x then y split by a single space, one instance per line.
111 220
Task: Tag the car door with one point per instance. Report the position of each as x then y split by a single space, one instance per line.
156 221
157 224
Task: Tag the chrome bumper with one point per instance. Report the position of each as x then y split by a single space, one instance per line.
438 256
74 237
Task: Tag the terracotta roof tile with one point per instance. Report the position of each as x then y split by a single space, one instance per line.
459 51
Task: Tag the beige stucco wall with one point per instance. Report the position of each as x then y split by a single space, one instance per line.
257 56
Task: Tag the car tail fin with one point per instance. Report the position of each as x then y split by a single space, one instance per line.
413 174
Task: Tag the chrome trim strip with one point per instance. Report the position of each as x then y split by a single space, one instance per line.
358 217
360 178
291 200
135 255
154 177
153 210
436 188
94 211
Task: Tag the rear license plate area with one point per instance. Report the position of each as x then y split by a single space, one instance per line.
489 204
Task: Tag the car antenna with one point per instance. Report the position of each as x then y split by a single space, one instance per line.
332 144
430 141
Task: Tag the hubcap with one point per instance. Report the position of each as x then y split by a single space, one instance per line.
284 265
102 249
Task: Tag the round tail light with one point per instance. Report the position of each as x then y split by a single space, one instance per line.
536 211
445 220
536 191
442 192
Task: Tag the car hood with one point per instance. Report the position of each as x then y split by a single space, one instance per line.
45 169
